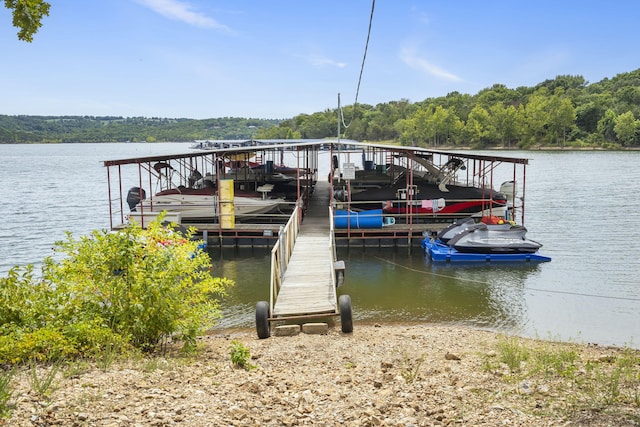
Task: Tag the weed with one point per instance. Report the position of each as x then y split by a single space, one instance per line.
512 353
43 385
152 364
107 356
560 362
76 369
6 392
411 368
240 355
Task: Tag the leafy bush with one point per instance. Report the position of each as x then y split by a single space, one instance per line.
133 288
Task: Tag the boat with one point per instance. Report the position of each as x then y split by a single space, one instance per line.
429 190
198 201
202 205
492 239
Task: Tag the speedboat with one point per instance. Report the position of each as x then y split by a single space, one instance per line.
199 200
431 190
202 205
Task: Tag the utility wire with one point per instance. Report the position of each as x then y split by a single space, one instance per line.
364 57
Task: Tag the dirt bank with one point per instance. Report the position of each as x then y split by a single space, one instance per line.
381 375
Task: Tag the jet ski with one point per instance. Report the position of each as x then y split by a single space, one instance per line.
489 239
493 224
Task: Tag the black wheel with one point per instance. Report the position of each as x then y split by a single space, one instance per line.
262 320
345 313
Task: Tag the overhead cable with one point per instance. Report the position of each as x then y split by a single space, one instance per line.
364 57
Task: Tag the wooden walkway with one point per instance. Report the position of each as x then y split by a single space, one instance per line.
308 286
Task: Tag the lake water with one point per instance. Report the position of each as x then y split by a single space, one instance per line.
581 205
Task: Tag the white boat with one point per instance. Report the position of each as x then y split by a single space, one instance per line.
196 205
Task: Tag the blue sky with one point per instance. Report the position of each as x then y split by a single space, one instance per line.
279 58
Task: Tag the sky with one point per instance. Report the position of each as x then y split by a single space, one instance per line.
275 59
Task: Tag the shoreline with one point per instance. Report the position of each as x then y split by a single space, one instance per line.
379 375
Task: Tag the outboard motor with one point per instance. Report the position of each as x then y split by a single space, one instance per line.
134 196
508 188
194 177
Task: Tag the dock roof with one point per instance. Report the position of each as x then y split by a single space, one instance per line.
251 145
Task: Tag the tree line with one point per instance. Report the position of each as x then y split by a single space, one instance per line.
54 129
561 112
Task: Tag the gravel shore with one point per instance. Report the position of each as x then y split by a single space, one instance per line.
380 375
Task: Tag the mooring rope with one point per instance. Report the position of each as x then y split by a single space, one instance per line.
526 288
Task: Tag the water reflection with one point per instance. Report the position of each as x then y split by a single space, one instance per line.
392 285
250 269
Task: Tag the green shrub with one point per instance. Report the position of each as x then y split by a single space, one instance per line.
146 285
133 288
43 344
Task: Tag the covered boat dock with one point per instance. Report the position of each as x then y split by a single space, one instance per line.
287 171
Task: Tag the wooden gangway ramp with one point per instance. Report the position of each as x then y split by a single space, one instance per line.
303 264
308 285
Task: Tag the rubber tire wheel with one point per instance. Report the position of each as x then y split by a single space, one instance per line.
346 320
262 320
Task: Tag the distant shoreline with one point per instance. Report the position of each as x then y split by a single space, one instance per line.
439 148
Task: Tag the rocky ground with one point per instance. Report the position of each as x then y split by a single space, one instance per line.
380 375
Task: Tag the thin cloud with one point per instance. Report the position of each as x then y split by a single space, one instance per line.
319 60
182 11
409 57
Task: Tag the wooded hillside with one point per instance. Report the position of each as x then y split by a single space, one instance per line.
51 129
566 111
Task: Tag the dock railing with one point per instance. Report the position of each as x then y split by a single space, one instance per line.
283 249
281 254
335 264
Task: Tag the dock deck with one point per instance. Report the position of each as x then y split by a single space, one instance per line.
308 284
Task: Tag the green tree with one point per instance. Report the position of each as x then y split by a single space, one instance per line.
406 129
479 127
626 128
536 117
27 16
498 93
425 130
606 126
446 125
562 116
505 123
